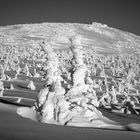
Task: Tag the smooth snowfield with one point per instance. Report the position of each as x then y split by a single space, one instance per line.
12 126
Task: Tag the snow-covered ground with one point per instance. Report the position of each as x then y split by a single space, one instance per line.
18 119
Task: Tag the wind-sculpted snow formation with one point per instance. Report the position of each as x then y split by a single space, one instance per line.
85 68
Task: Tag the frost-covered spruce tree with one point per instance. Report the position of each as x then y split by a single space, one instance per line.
31 85
2 74
1 88
51 64
80 69
48 97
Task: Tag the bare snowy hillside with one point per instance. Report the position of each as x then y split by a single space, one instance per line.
101 38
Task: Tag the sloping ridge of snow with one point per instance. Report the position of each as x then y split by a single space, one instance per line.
96 35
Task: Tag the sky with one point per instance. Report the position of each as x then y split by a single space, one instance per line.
120 14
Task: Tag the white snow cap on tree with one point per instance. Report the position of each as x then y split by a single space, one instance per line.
31 85
1 88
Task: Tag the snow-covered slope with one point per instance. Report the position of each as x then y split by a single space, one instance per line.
101 38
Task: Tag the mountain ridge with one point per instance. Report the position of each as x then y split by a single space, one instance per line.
100 37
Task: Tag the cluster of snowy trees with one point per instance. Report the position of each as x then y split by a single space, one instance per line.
54 104
68 75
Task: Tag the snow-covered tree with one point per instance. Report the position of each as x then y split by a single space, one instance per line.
80 69
1 88
31 85
46 104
